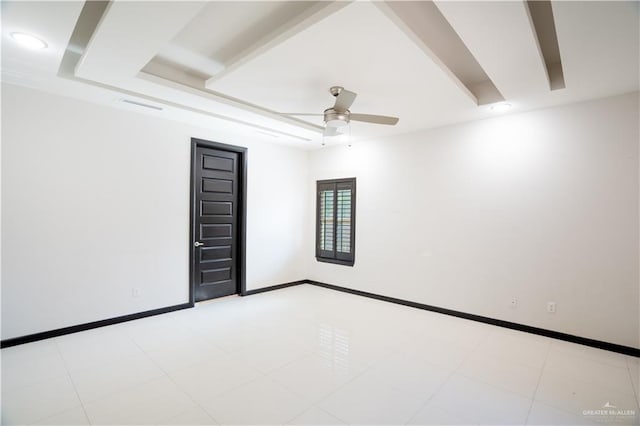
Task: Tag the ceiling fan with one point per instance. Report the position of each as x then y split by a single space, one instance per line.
339 115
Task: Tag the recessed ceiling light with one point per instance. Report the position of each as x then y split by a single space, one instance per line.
29 41
501 107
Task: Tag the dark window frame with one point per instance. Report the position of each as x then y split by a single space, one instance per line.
334 256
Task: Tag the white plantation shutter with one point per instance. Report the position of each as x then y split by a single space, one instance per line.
343 221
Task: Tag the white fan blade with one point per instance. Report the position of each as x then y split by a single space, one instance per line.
301 113
377 119
344 100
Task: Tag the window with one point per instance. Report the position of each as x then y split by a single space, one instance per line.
335 220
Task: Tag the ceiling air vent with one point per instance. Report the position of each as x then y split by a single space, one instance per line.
267 134
140 104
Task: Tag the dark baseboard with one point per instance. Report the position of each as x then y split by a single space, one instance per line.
6 343
613 347
274 287
88 326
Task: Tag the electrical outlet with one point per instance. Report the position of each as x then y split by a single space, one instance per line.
135 292
514 302
551 307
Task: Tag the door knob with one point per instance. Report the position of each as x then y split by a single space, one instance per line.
198 244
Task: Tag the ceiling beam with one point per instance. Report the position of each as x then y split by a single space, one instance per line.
403 15
192 86
501 37
301 22
120 47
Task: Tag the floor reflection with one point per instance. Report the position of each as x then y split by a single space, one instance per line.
334 347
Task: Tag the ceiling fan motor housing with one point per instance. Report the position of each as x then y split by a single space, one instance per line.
334 118
335 90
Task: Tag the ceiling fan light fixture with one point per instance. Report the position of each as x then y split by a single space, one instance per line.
337 123
333 135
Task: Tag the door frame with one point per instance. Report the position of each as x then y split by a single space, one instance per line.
241 211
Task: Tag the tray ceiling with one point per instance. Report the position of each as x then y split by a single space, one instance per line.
239 65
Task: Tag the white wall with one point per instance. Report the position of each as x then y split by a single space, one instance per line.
542 206
95 202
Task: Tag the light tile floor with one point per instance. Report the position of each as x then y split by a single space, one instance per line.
308 355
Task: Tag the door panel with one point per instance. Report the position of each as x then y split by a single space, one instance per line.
212 161
210 231
216 208
212 254
217 185
215 276
216 223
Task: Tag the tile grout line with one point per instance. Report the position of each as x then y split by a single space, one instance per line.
261 375
306 410
168 376
325 397
636 392
309 408
268 375
73 383
535 392
109 394
329 414
504 389
445 381
428 400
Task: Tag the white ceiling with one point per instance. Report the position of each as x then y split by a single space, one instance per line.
223 28
237 65
361 49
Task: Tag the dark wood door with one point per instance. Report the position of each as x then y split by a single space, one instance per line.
215 223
